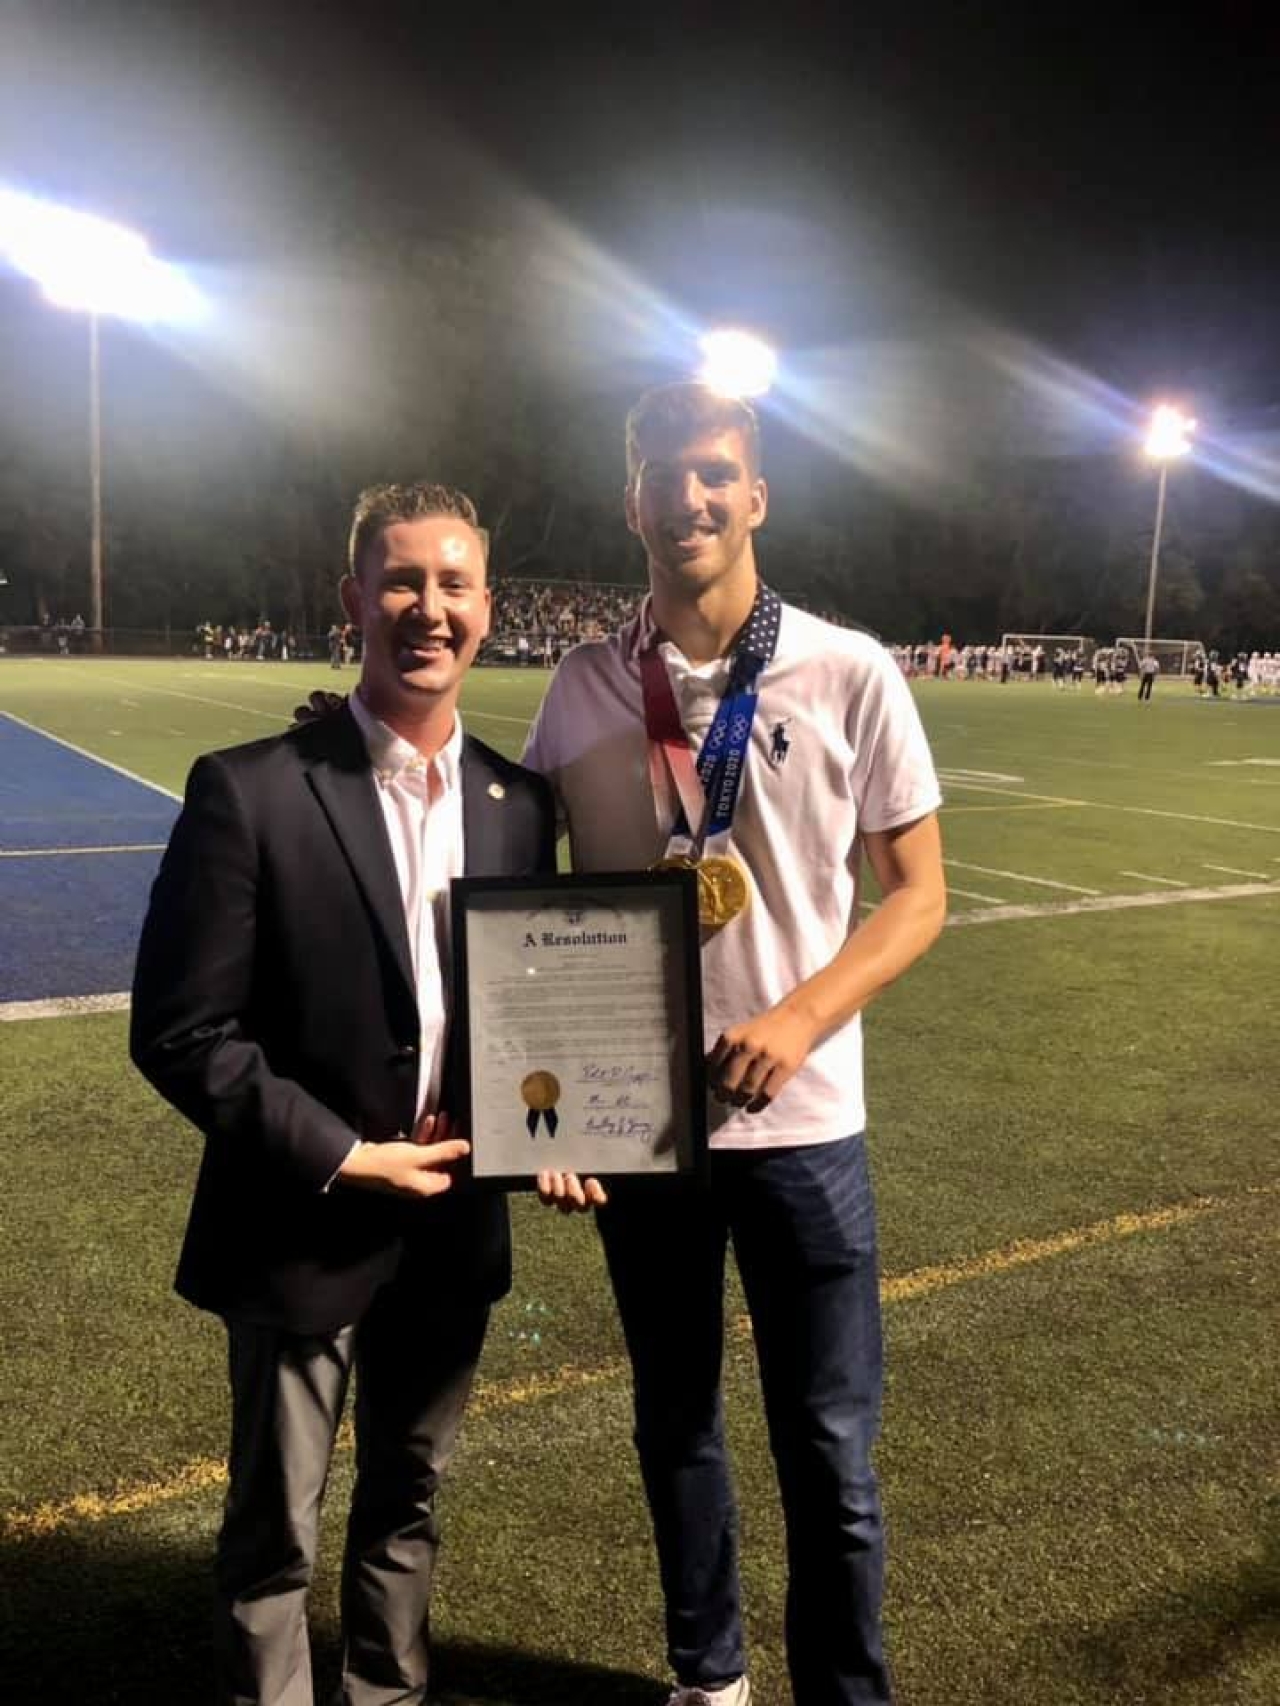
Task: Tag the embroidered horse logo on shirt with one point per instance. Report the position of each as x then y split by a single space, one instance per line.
779 745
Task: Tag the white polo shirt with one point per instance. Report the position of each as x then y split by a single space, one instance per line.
836 747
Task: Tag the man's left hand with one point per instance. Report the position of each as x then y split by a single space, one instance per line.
319 704
751 1062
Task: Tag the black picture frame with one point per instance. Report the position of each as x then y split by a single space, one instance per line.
596 1063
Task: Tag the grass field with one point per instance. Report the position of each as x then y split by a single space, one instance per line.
1074 1128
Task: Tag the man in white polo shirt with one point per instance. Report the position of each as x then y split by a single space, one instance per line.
809 757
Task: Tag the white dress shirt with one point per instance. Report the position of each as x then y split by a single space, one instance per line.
421 800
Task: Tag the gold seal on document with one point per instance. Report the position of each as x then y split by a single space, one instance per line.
540 1091
722 886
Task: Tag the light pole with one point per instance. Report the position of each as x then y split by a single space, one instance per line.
88 264
1168 436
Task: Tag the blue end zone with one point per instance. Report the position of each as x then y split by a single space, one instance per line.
69 922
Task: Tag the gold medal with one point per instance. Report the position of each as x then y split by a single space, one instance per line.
722 886
722 891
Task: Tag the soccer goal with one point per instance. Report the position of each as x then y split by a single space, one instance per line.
1175 657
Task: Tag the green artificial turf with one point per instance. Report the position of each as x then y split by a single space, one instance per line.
1082 1448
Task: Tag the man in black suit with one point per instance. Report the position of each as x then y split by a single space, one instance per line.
291 1000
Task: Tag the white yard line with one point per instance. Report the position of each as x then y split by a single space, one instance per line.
473 716
1018 794
1113 903
279 717
1098 806
1146 877
200 699
1040 806
61 852
64 1007
969 894
92 756
71 1005
1020 877
1192 817
1235 871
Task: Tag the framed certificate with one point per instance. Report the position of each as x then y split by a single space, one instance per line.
578 1017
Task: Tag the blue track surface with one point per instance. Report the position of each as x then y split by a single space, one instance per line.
69 922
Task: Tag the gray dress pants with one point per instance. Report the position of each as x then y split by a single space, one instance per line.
414 1364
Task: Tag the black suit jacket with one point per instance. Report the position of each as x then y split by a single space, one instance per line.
274 1006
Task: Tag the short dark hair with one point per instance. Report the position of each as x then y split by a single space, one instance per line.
671 415
378 506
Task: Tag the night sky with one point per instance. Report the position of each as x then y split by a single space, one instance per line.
1091 187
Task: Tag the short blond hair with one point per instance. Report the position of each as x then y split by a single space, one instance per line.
378 506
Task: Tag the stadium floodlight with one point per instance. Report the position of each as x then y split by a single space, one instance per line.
736 363
1168 436
90 264
1169 433
97 268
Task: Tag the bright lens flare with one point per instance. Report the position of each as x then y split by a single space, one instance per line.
1169 433
736 364
87 263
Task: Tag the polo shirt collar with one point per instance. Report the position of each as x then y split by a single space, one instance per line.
642 633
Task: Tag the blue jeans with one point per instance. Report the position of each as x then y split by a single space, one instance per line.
802 1222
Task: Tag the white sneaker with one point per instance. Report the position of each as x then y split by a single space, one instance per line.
732 1694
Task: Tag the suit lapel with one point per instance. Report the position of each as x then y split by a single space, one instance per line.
342 781
485 828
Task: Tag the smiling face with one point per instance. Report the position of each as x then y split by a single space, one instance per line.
695 506
420 597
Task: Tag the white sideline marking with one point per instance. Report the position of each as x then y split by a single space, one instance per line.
58 852
969 894
1018 877
474 716
64 1007
1233 871
1146 877
92 756
1114 903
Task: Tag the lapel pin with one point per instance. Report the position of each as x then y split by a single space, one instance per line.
497 791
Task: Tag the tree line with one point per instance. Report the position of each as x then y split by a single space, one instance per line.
228 481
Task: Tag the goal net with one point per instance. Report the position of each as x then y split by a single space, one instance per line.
1175 657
